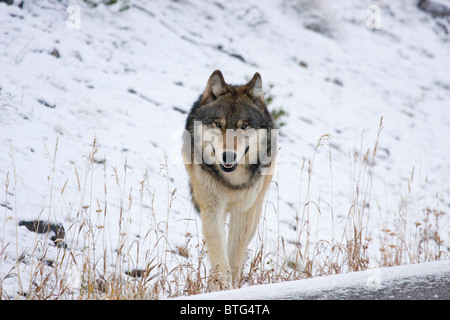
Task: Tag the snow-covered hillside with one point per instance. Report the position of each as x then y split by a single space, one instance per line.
361 285
92 108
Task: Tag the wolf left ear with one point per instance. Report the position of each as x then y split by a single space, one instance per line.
215 87
255 90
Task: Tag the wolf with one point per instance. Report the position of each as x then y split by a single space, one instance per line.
229 151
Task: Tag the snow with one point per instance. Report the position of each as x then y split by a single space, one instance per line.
121 77
366 280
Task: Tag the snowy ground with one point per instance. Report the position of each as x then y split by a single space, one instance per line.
127 77
379 283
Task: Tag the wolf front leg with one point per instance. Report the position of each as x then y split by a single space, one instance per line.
242 228
213 228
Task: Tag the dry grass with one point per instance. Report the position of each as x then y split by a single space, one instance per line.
98 265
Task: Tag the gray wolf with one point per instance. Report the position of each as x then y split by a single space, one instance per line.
229 153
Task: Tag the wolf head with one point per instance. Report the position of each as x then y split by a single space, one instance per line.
230 130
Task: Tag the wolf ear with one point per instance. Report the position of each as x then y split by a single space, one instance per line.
215 87
255 90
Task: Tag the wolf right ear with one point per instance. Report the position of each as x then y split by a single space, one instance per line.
255 90
215 87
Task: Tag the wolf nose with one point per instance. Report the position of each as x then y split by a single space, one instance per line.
229 157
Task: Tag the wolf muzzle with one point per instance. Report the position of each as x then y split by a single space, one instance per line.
229 161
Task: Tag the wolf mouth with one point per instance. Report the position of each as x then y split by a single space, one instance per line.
225 167
228 167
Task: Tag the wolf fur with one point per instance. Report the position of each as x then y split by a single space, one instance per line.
225 181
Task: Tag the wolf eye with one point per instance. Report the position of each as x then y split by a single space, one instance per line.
218 124
244 126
